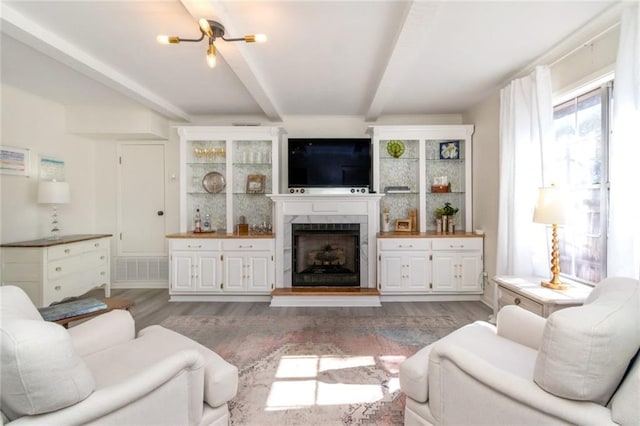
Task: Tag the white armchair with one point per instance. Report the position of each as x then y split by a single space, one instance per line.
98 372
579 366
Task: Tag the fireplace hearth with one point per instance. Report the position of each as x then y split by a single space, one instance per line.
326 255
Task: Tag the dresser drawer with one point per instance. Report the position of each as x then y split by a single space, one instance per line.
247 245
508 297
65 250
404 244
81 262
457 244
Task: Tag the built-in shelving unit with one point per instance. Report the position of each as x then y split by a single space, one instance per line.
418 167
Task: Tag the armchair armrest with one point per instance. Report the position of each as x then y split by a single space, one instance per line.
520 326
458 375
181 402
102 332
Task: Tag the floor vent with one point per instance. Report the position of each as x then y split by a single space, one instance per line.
142 269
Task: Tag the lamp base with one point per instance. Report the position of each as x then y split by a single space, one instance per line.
554 286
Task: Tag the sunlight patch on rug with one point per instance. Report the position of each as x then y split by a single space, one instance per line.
307 370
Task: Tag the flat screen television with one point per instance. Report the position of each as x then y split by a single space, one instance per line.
329 163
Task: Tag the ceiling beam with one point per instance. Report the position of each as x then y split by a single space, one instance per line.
33 35
412 33
236 55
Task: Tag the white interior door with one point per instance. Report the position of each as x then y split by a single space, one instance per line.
141 200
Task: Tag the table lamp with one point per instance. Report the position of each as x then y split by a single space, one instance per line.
53 192
551 210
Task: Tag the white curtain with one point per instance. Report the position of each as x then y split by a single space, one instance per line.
526 120
623 250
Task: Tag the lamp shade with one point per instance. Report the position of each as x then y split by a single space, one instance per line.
551 206
53 192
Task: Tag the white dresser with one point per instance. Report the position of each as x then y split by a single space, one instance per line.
51 270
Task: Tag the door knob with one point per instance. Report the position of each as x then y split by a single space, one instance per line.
160 213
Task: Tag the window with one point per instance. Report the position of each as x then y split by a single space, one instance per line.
577 159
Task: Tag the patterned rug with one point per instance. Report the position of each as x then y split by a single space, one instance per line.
311 370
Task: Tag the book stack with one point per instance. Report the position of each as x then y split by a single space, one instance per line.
71 309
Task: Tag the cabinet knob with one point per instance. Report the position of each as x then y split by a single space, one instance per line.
517 301
198 246
67 250
96 245
102 273
59 268
57 288
101 257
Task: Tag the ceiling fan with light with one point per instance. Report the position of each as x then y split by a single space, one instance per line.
212 30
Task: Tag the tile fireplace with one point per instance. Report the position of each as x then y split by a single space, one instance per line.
357 212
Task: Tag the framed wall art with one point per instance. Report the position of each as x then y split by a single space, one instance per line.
256 184
14 161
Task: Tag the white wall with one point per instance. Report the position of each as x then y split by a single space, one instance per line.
34 123
485 116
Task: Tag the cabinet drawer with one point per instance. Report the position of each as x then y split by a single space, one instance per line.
247 245
457 244
78 263
404 244
508 297
194 244
65 250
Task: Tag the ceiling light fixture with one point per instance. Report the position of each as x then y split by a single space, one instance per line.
211 30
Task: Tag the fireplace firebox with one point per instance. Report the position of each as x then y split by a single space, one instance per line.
326 254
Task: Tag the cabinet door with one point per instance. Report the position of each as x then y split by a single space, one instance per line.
235 272
259 272
208 272
444 272
182 272
418 272
391 271
470 271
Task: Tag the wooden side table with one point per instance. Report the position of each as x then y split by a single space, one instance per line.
112 303
527 293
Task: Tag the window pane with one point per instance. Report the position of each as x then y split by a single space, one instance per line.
575 160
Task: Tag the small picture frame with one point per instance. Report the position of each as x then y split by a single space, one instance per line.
256 184
450 150
403 225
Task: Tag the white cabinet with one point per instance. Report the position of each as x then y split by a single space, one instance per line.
404 265
226 172
430 265
51 270
195 266
430 153
248 265
457 265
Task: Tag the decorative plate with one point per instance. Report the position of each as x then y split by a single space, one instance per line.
395 148
450 150
213 182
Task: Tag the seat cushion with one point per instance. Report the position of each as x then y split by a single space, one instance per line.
585 350
155 343
40 370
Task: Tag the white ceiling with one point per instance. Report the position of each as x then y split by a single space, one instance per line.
363 58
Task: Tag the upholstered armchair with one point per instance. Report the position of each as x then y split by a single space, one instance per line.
579 366
99 372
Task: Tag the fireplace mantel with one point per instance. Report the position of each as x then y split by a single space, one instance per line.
295 208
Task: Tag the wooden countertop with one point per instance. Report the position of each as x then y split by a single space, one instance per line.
428 235
215 235
48 242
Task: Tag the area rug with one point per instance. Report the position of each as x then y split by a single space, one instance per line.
311 370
